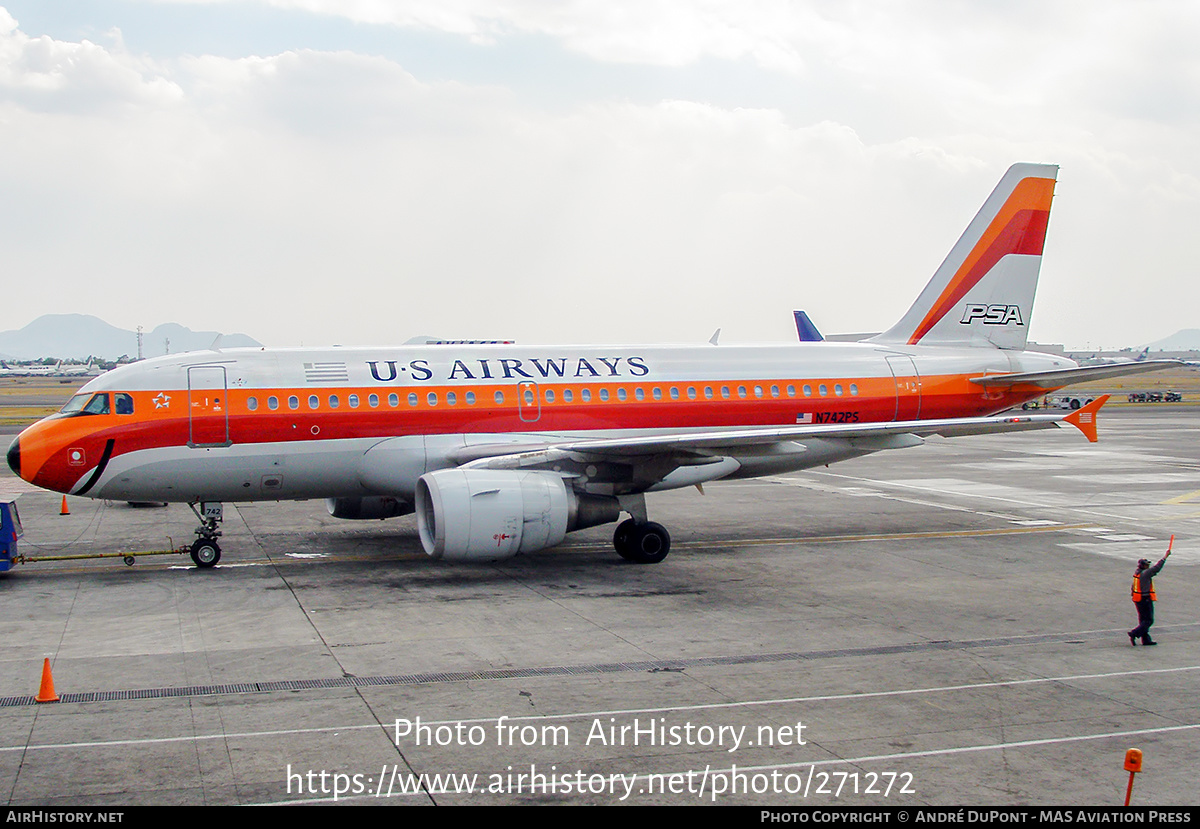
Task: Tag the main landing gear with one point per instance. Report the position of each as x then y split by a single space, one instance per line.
205 550
638 539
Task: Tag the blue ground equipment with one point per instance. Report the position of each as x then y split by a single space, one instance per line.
10 531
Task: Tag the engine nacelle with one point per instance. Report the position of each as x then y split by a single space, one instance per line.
488 515
379 506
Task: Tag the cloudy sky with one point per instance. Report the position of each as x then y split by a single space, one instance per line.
360 171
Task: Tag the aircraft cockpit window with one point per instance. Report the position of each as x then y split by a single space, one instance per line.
124 403
98 405
75 404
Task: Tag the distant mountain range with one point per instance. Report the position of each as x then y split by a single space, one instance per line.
1186 340
78 336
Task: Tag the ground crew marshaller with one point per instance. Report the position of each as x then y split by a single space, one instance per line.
1143 596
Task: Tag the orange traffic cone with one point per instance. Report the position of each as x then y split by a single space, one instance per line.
64 510
46 691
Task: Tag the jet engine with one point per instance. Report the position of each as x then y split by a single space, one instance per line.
488 515
367 508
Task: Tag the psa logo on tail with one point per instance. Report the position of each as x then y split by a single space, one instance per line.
992 314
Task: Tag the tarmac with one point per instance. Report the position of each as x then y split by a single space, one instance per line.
942 625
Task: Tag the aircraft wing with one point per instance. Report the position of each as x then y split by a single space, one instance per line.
1058 378
694 457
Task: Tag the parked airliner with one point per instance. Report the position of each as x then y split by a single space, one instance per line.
503 449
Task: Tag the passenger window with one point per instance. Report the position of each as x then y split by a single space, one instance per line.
639 393
691 392
393 400
807 390
568 396
293 402
725 392
412 398
334 402
774 391
657 393
854 390
549 395
499 398
708 392
451 399
674 393
353 401
604 394
586 395
823 390
432 398
251 403
837 389
125 403
373 400
470 398
791 390
620 394
272 402
741 391
313 401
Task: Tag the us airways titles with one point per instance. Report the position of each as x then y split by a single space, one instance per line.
505 368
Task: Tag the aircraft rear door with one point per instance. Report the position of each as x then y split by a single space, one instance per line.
208 409
908 386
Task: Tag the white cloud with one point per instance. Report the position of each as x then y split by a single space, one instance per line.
336 197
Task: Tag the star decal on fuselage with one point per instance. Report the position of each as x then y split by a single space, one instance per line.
162 401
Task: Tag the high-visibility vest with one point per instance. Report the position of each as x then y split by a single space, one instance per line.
1136 594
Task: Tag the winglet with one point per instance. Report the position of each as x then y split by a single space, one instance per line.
1085 419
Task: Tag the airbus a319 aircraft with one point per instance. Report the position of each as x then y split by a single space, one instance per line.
504 449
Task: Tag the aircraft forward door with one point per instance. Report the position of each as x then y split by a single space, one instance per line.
208 409
908 386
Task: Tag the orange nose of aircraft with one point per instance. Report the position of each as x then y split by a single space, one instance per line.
43 456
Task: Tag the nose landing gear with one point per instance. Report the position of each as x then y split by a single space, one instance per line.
205 550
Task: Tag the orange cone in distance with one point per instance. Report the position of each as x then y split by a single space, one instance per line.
46 691
64 510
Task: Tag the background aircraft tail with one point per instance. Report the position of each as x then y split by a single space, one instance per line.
982 295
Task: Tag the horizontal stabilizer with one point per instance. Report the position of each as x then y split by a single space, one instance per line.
1058 378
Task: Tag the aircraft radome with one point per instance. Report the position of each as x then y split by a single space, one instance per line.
503 449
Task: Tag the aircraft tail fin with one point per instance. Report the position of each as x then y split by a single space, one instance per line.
805 329
982 295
